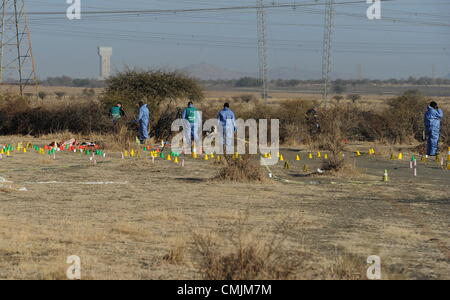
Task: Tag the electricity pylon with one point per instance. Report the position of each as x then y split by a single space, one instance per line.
16 53
262 49
327 45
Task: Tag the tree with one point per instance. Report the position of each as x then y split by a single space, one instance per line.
160 90
248 82
246 98
339 88
152 87
42 95
60 95
354 97
338 98
88 93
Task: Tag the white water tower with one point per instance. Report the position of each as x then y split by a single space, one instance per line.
105 62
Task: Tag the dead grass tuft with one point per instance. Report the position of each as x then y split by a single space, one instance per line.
248 257
348 267
51 275
177 253
165 216
125 228
250 260
6 190
341 168
244 169
123 138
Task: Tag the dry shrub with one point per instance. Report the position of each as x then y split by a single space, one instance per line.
336 122
445 131
334 164
400 122
177 253
244 169
162 128
123 138
245 256
294 127
19 116
249 262
246 98
404 117
338 166
291 114
248 258
347 267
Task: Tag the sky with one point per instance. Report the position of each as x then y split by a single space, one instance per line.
411 37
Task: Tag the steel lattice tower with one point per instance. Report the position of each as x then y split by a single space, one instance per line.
262 49
16 54
327 44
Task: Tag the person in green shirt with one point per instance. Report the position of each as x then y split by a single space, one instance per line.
117 112
192 115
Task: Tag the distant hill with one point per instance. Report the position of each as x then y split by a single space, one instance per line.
204 71
447 76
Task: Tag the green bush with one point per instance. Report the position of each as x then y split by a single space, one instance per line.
152 87
160 90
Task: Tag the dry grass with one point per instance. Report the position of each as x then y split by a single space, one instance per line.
89 118
248 262
331 138
250 257
122 139
164 216
245 256
177 252
347 267
126 231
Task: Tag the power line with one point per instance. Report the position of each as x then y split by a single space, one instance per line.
188 10
223 41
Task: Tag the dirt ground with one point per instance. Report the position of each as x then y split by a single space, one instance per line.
123 217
